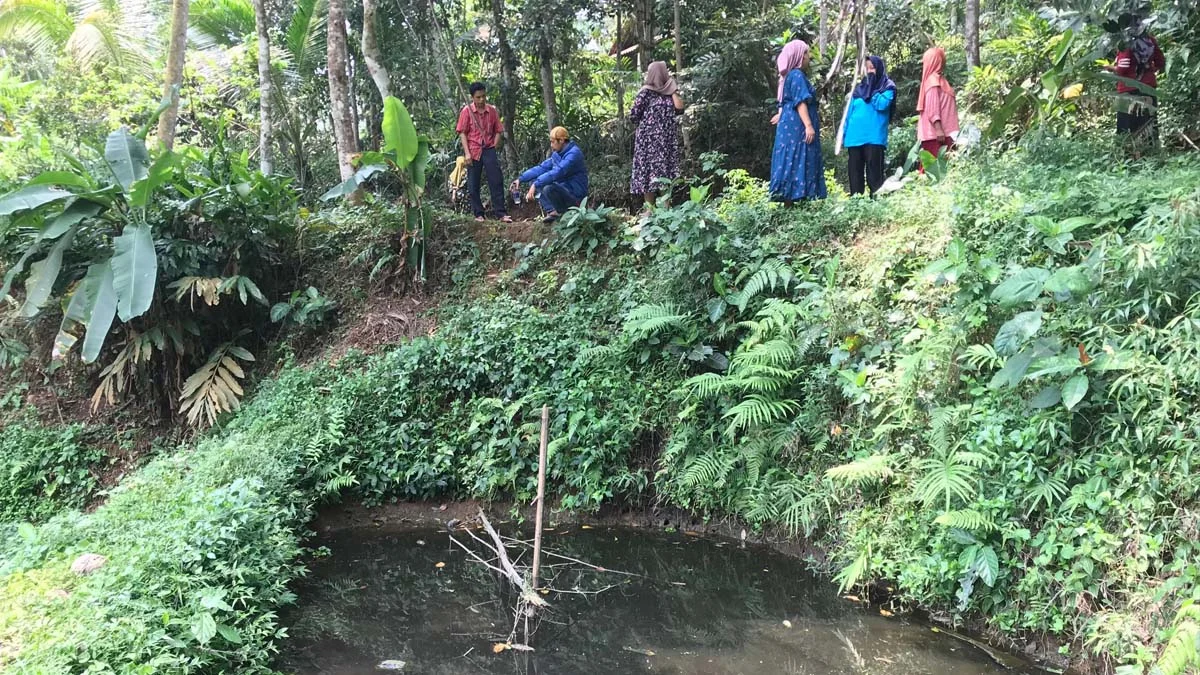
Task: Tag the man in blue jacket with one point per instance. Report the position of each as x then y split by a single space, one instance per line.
562 178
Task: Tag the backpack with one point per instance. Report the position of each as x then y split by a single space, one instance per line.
1142 51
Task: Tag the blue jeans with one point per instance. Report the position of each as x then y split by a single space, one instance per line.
489 161
556 198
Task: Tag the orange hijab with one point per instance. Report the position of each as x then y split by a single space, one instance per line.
932 64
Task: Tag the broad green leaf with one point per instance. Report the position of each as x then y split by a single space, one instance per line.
31 197
1048 397
1074 223
158 174
399 133
367 171
75 213
204 627
104 310
342 189
1073 280
135 268
420 163
62 178
92 307
1024 286
230 634
988 565
1054 365
1013 370
1058 243
74 319
43 274
18 267
1016 331
1074 390
127 157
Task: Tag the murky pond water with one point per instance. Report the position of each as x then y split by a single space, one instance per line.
695 607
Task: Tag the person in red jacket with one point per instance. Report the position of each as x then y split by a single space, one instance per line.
1139 60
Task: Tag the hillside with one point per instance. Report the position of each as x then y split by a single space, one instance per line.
976 391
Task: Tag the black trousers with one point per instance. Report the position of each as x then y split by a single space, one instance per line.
1138 116
865 160
488 162
556 198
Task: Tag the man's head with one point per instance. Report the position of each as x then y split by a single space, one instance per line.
479 93
559 138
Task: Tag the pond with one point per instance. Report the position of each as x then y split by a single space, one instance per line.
665 603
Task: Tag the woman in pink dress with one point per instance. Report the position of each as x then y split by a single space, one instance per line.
937 120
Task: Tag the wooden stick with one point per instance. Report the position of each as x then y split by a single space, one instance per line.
541 494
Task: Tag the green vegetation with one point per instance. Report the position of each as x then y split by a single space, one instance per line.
1001 429
45 469
978 390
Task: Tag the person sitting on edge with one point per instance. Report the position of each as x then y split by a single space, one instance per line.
562 178
479 128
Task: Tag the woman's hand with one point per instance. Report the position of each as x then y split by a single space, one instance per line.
775 119
810 135
529 195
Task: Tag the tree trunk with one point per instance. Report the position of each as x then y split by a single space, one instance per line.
174 78
644 29
508 92
678 40
823 29
620 86
546 68
845 22
265 127
444 43
371 54
953 18
971 33
344 135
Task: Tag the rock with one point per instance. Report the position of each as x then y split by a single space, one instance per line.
390 664
88 563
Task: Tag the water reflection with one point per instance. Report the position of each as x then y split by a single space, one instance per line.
697 607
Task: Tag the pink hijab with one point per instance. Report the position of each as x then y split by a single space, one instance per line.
790 59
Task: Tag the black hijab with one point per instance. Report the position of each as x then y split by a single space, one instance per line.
874 83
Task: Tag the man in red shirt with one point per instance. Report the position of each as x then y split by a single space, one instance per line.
1140 60
479 128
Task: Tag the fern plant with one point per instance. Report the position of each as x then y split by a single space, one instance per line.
1181 654
215 388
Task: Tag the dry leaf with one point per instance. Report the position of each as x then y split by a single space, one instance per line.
884 612
853 598
440 565
499 647
585 527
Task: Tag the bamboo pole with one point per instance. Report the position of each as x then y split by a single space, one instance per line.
541 495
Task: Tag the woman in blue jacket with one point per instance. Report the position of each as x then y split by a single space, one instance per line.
866 132
562 178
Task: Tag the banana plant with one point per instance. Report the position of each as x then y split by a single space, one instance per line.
405 154
66 207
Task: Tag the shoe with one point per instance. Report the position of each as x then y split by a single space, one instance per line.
550 217
506 219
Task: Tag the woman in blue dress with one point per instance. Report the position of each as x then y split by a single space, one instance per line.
797 169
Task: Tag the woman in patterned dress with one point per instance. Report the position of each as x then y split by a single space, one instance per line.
797 169
656 151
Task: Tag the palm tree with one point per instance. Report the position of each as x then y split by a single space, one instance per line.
93 33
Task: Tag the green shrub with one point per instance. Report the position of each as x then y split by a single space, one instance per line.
44 470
